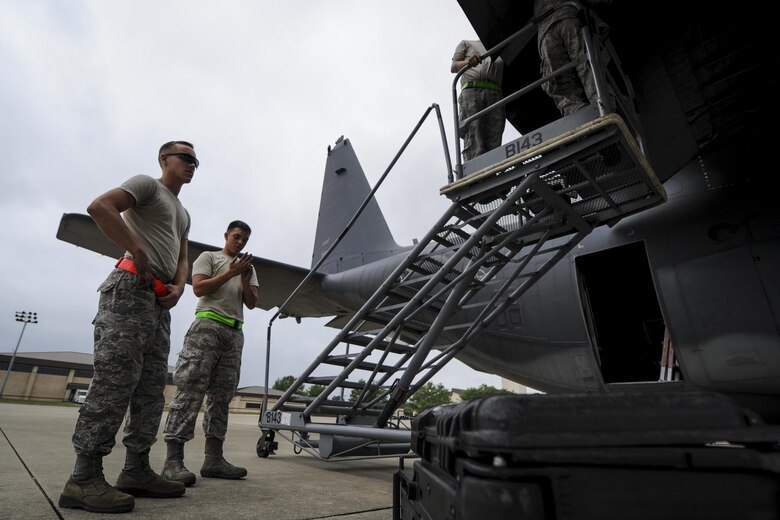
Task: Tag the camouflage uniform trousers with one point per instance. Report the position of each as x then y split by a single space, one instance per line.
558 46
209 365
132 341
485 133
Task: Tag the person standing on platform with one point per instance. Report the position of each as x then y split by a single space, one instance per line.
480 88
560 41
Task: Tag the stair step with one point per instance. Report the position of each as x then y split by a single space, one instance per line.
326 380
344 360
391 310
344 408
414 328
396 348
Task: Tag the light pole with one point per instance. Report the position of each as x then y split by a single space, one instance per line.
25 317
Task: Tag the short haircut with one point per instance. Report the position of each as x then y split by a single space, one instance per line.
240 224
167 147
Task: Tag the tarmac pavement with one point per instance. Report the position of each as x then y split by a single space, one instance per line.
36 458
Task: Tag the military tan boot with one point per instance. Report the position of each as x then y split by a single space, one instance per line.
87 489
140 480
215 465
174 468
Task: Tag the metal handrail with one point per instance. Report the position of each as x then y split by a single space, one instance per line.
590 57
490 53
344 232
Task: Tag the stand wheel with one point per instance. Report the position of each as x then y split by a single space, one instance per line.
266 445
262 451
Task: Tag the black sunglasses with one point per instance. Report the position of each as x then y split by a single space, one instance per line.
189 159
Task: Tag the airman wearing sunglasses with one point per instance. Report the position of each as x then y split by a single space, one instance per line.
132 334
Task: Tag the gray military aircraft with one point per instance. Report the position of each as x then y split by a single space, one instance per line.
633 246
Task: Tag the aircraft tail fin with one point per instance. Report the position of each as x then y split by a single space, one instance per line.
344 189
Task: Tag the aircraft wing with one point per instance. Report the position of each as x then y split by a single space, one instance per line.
277 280
82 231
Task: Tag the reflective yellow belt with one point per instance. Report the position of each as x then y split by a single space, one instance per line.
230 322
482 84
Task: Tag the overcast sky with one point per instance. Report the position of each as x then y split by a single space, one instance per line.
91 89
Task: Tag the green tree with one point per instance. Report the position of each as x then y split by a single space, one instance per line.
428 396
283 383
370 396
315 390
355 393
481 391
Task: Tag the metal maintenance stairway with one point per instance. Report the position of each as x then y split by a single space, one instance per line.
508 224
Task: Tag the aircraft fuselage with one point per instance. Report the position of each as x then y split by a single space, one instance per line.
702 268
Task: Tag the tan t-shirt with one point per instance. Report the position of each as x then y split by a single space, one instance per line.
159 221
488 69
228 300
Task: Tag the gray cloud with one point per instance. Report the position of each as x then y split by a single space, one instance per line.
91 89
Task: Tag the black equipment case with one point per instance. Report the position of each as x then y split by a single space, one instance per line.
627 456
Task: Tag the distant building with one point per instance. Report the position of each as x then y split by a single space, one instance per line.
57 376
456 395
516 388
251 398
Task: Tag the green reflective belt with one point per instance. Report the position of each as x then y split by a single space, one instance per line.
230 322
478 83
